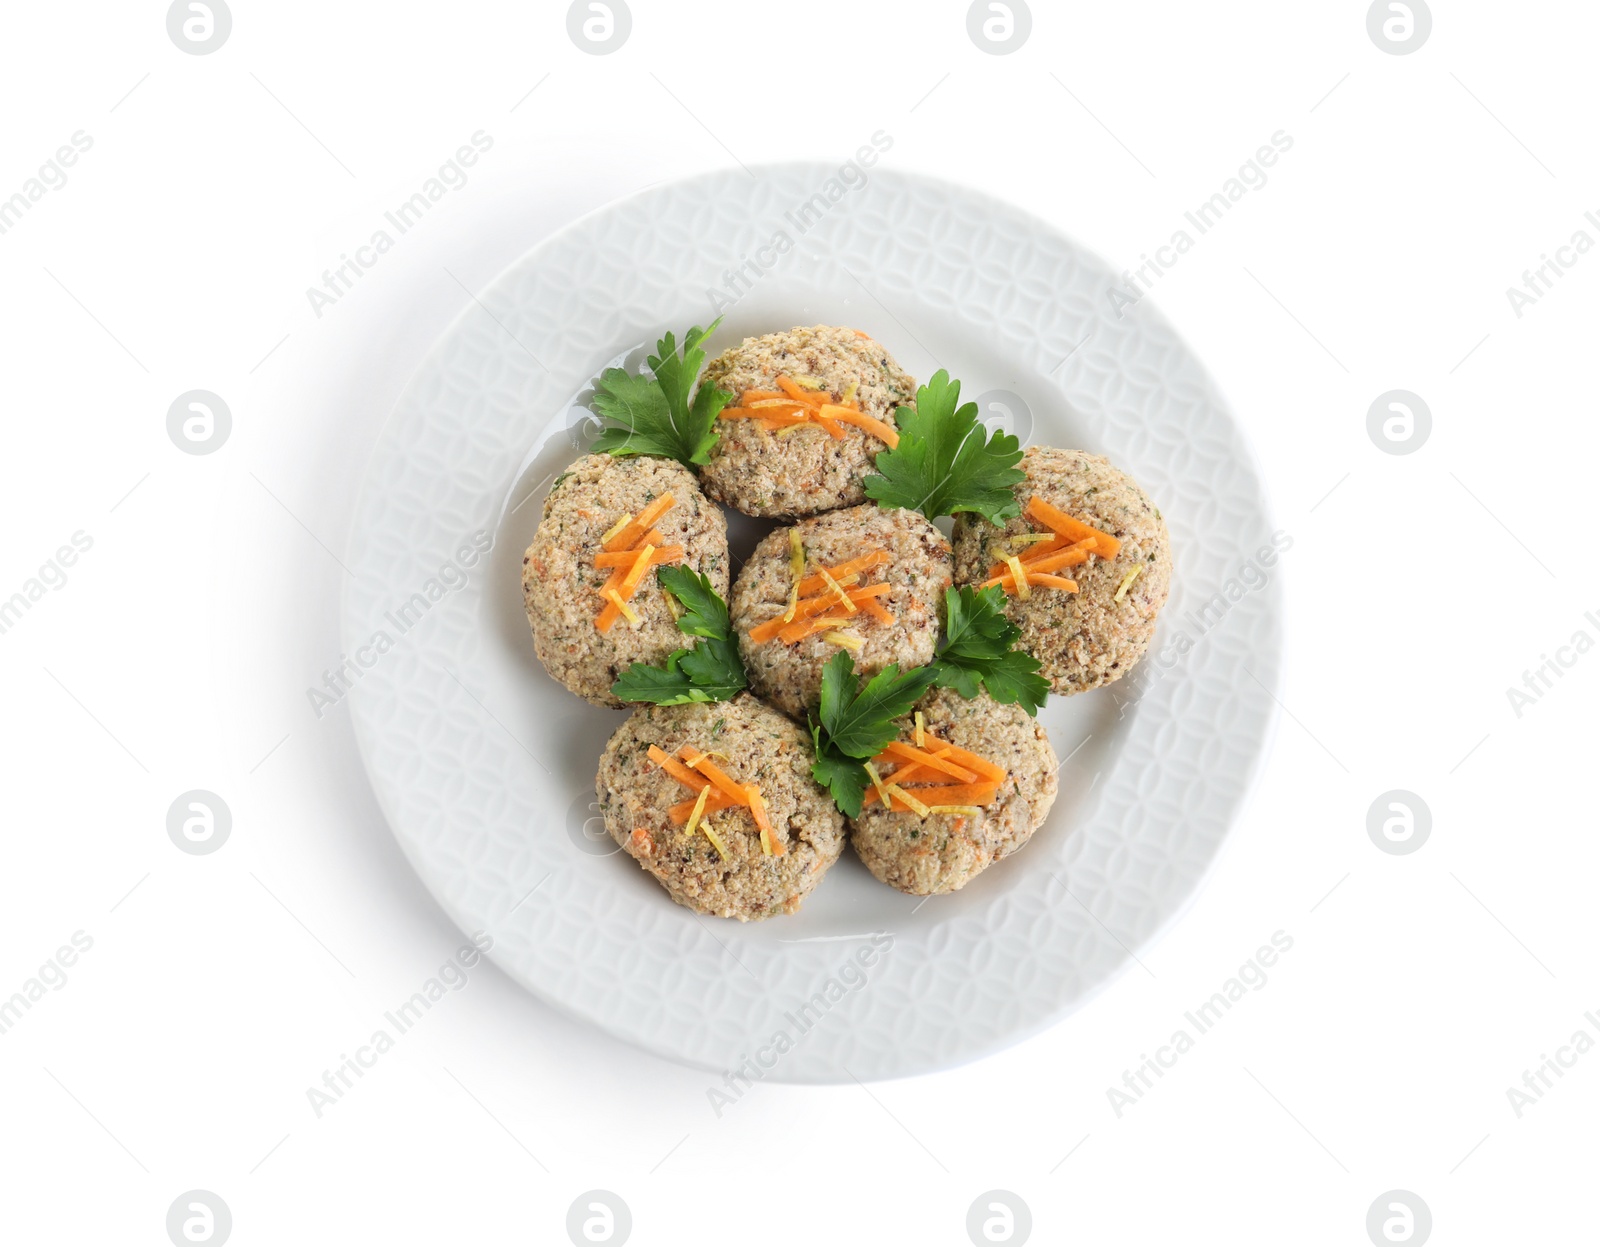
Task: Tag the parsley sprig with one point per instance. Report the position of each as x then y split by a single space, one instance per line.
854 722
655 414
711 670
977 651
944 463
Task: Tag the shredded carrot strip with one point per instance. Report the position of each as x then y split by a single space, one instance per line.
615 529
834 428
676 769
716 775
875 608
899 749
615 608
655 511
770 420
1076 530
793 405
641 524
716 801
811 398
802 628
861 598
770 844
625 558
877 428
861 563
641 564
802 611
905 771
944 794
1050 555
907 765
1058 544
787 412
1051 561
982 765
833 586
1033 578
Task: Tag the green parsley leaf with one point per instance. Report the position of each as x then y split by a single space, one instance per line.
711 670
853 723
845 778
944 463
704 613
655 415
977 651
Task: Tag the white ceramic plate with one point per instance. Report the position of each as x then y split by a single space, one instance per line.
485 766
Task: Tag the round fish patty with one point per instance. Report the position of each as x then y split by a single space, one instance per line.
944 852
561 585
805 471
918 572
756 745
1085 639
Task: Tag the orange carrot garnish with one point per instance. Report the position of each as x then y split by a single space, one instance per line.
905 772
861 598
861 563
897 751
802 628
982 765
1075 530
834 429
640 524
877 428
876 609
676 769
641 564
630 551
1050 561
625 558
810 398
770 844
702 763
943 794
714 802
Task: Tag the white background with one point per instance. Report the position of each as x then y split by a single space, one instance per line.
1420 587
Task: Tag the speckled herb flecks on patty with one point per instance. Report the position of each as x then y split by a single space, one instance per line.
971 823
562 587
1093 636
896 619
724 869
801 469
